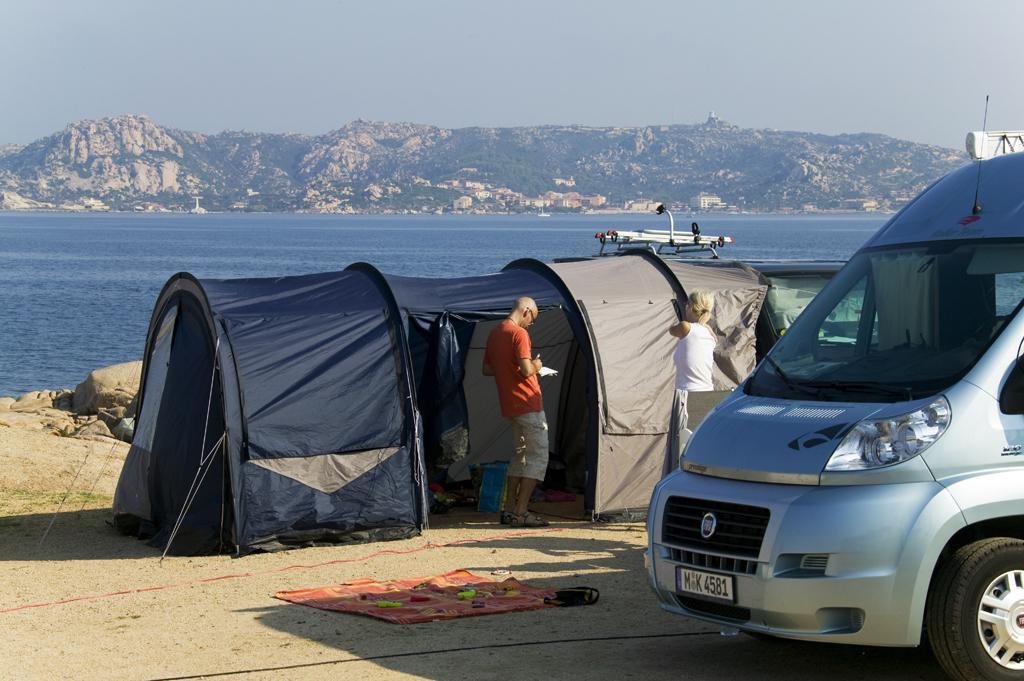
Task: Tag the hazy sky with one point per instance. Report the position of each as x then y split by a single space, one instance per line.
914 69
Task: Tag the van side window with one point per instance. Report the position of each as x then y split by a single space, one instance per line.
841 332
1011 401
1009 292
788 296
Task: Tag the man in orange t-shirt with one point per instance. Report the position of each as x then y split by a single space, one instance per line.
509 358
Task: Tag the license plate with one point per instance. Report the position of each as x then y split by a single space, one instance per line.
705 584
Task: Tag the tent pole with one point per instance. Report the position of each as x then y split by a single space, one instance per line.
223 477
209 398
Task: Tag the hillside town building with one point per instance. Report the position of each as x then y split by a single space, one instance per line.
706 201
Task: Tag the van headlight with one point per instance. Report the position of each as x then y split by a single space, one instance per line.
888 441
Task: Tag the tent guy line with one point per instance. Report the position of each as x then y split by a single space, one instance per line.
296 566
60 506
99 476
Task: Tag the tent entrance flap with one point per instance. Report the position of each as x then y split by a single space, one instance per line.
635 363
188 477
132 498
440 393
569 440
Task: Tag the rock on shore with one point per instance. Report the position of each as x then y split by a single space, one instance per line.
99 408
110 387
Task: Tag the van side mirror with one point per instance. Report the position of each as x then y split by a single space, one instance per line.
1011 400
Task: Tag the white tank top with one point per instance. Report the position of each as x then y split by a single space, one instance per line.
694 359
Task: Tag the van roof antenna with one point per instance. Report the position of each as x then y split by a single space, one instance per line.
976 208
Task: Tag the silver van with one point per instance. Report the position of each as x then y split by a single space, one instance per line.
865 484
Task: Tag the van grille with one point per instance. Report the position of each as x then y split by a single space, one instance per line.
814 562
739 531
697 559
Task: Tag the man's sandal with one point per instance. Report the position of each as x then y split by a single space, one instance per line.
528 519
506 517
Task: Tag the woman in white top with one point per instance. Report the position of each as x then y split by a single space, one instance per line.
694 359
695 353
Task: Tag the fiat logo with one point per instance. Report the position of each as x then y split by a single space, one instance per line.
1020 621
708 524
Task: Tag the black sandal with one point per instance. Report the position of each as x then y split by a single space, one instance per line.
578 595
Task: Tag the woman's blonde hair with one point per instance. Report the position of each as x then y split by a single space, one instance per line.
701 302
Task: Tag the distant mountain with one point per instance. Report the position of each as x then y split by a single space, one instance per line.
130 163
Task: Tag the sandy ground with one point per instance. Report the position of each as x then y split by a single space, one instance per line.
234 628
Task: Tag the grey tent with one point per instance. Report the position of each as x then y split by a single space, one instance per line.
296 410
628 304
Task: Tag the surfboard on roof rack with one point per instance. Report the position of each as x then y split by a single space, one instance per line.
664 241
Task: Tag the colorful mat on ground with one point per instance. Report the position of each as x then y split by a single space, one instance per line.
459 593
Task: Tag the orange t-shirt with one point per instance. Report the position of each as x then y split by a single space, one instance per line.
506 345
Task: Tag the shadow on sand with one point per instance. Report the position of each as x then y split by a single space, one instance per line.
75 535
624 636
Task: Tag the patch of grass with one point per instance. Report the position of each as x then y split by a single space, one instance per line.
24 502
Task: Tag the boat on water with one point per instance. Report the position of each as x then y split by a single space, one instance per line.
542 214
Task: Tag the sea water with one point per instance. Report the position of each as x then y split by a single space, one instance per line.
77 290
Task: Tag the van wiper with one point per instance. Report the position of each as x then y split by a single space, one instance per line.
870 387
790 383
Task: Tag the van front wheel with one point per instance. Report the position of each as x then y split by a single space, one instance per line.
975 612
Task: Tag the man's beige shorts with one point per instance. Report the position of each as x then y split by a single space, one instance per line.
530 434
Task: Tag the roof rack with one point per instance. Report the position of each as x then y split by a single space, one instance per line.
983 145
664 241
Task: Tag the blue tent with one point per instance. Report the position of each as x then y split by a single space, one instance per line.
254 428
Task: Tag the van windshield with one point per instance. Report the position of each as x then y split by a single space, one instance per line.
897 323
